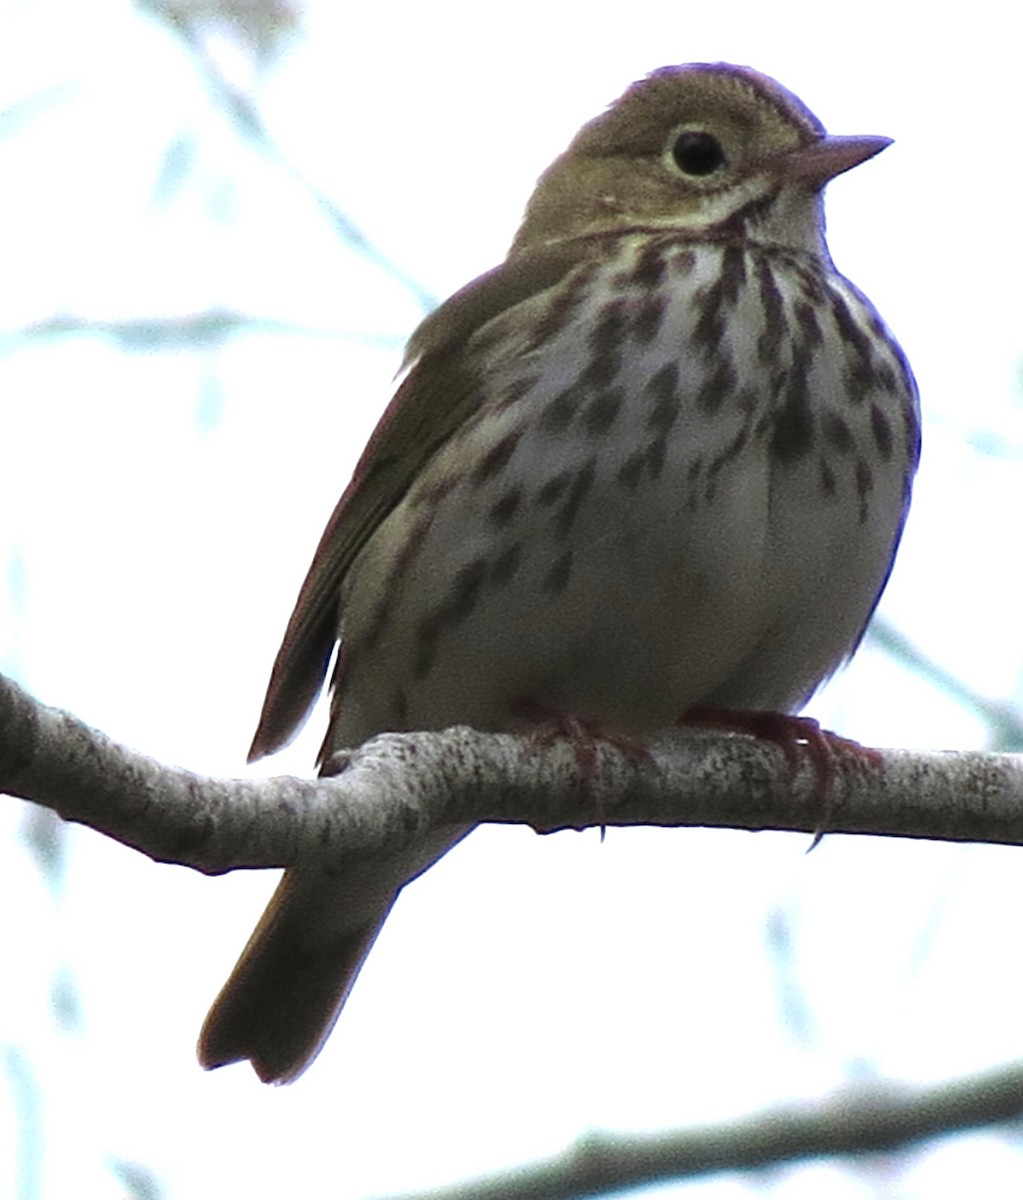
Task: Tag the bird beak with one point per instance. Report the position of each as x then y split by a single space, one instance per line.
823 160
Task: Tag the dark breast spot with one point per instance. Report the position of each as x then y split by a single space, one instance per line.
716 388
602 369
577 490
605 341
911 427
663 387
858 381
773 310
683 261
886 379
600 414
650 267
556 579
837 433
496 458
558 414
465 590
882 430
377 623
792 436
656 452
551 491
809 324
630 472
733 274
502 510
864 486
503 568
456 608
649 318
730 452
515 392
561 309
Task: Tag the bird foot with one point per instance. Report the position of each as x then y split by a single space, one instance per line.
799 739
585 736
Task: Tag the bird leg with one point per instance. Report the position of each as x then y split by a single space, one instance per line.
798 738
584 735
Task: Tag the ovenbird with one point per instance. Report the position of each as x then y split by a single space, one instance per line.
659 458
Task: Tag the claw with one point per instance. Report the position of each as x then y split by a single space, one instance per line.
797 738
584 735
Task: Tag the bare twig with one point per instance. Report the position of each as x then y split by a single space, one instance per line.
248 120
878 1118
1004 720
188 331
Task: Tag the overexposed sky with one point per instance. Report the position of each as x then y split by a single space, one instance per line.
158 510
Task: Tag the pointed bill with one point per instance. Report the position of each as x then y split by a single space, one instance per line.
817 163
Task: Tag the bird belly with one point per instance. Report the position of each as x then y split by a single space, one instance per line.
634 534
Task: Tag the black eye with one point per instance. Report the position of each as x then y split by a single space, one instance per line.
697 153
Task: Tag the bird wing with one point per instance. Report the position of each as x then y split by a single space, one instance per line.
439 392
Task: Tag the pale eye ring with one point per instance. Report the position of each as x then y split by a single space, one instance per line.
696 152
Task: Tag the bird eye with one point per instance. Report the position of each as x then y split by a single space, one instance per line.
697 153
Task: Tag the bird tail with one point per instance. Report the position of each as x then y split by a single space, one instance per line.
293 977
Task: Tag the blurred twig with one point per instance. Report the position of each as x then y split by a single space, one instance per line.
247 119
1004 720
189 331
29 1129
19 116
867 1120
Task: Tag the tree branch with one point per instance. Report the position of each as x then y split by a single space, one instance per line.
396 788
878 1118
202 330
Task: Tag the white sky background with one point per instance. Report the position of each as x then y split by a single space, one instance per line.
158 511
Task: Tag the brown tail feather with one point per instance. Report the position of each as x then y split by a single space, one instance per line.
288 987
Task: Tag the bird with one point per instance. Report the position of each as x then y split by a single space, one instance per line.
657 460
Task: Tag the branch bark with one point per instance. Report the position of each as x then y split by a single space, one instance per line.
397 787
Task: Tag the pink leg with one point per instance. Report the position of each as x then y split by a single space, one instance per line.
584 735
796 737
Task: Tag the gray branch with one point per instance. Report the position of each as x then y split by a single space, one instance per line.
878 1118
396 788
